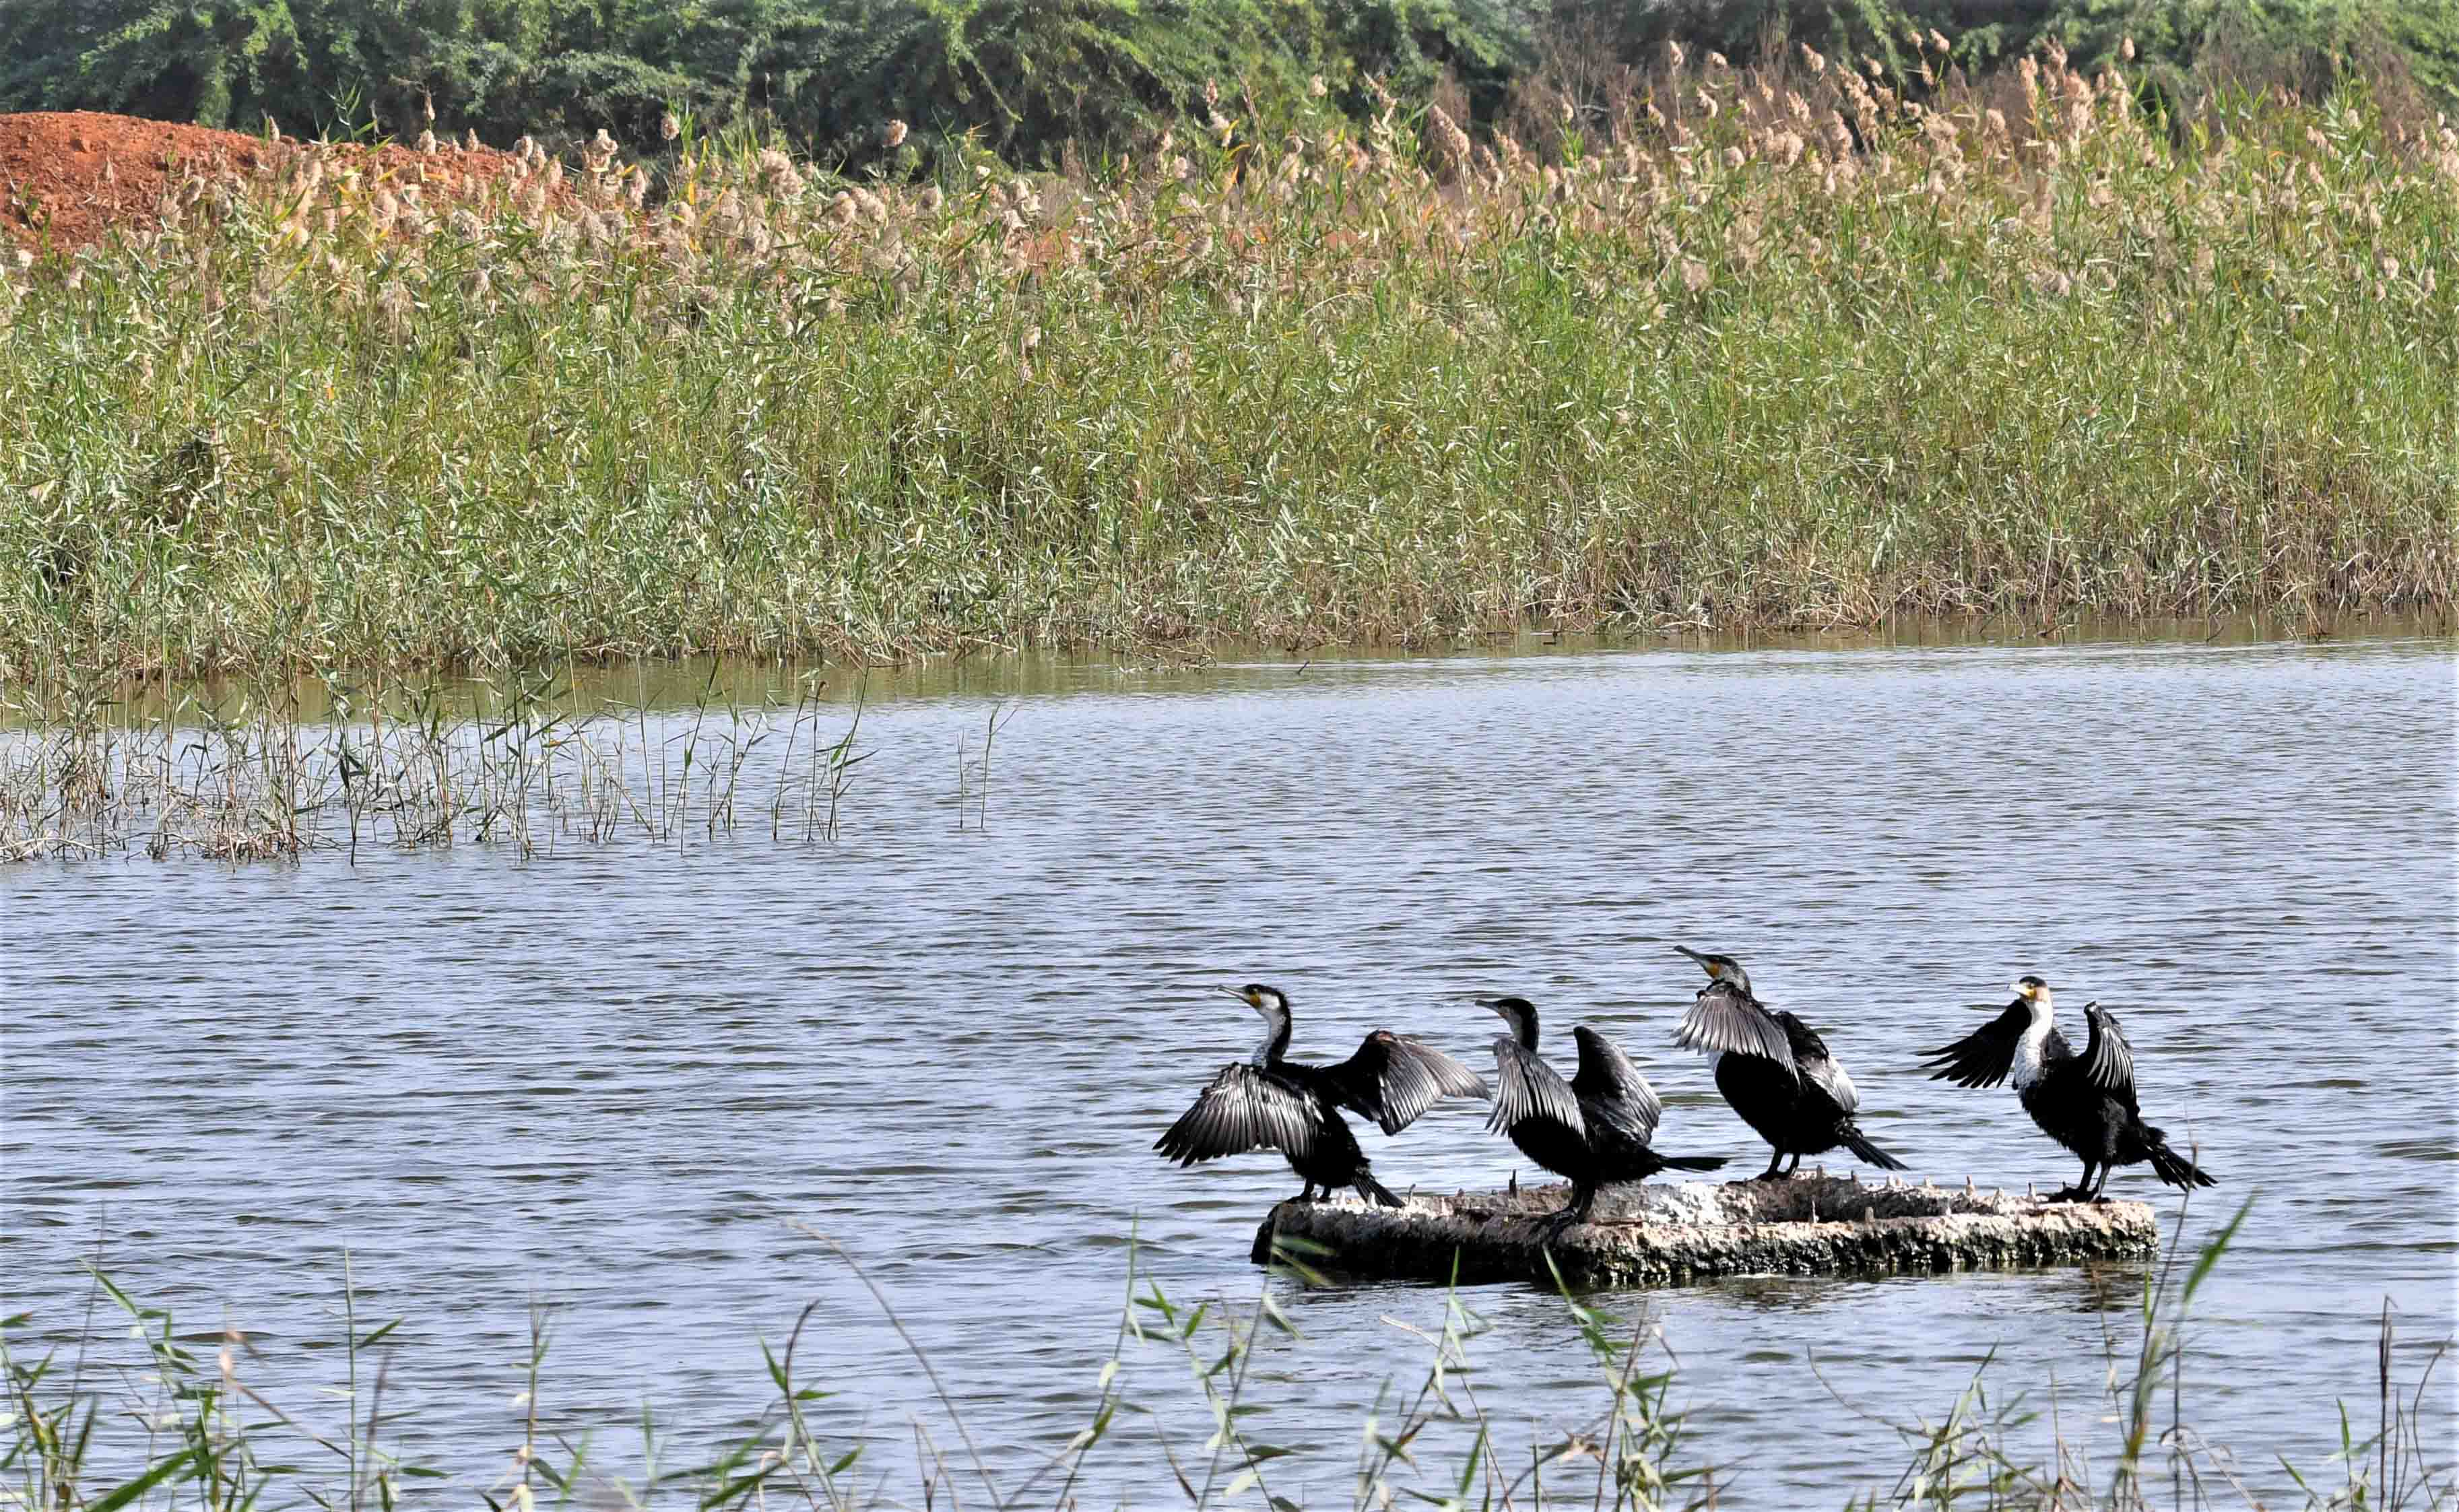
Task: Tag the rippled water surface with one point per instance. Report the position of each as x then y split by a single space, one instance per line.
613 1079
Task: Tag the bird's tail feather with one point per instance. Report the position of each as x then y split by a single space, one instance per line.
1860 1145
1369 1187
1693 1162
2173 1167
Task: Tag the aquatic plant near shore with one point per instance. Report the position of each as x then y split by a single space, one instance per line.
251 777
1727 348
203 1433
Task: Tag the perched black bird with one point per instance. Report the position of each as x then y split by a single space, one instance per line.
1593 1131
2084 1102
1274 1103
1775 1070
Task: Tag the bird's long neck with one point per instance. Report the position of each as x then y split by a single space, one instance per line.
2032 1049
1523 1027
1276 1038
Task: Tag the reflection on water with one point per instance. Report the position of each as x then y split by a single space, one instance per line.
583 688
608 1078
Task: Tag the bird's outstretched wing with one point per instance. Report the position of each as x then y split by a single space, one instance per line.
1984 1057
1726 1019
1611 1090
1814 1066
1245 1108
1526 1087
2108 1059
1392 1078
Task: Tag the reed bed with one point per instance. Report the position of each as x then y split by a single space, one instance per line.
247 774
173 1425
1701 347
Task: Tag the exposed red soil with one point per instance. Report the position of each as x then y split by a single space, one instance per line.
69 178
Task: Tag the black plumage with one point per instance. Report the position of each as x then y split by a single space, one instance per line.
1594 1131
2084 1102
1274 1103
1776 1071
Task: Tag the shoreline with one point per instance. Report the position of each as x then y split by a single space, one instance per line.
682 682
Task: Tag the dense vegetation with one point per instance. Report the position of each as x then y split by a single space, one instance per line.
1785 347
1029 77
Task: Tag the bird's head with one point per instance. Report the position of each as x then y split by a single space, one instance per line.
1275 1009
1268 1001
1517 1012
1719 968
2030 989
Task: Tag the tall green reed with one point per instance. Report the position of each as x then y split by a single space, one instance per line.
174 1432
1730 347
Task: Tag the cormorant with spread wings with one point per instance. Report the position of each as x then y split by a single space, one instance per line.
1593 1130
1274 1103
2084 1102
1775 1070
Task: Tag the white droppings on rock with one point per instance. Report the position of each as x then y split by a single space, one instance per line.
1663 1233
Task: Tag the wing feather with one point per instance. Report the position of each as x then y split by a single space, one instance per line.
1816 1066
1727 1020
1527 1087
1245 1108
1611 1090
1393 1079
1985 1055
2108 1059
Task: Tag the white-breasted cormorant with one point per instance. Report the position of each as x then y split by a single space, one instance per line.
1274 1103
1775 1070
1593 1130
2084 1102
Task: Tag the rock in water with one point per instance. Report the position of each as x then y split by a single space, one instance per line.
1669 1233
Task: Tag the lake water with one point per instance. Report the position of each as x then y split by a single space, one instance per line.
612 1079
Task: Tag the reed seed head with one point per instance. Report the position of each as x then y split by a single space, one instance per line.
393 302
